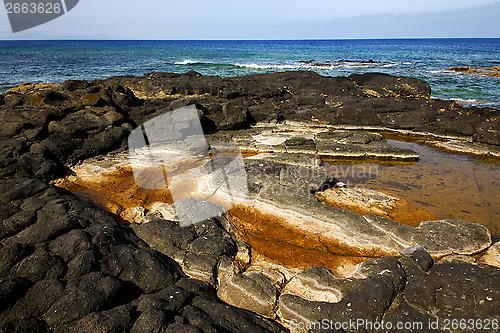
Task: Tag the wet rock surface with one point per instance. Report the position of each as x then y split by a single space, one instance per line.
365 201
307 145
67 264
489 71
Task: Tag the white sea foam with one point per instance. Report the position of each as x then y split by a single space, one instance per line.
474 102
187 62
297 65
446 71
460 100
449 72
257 66
330 65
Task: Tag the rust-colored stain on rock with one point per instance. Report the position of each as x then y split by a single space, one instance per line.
271 238
116 192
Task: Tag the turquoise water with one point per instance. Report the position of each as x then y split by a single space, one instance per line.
427 59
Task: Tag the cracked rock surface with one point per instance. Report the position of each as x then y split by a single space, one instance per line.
68 265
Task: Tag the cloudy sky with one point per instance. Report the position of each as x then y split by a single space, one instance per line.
268 19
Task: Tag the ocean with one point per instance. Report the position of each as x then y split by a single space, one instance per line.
426 59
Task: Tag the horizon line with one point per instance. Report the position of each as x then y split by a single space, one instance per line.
241 40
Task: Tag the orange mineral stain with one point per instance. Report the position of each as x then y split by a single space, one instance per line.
116 191
271 238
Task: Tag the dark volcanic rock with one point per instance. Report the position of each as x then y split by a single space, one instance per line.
37 300
66 265
449 287
205 313
92 275
10 255
20 188
45 228
83 296
165 236
201 266
71 244
72 85
11 288
147 269
92 99
384 85
392 292
46 98
151 321
119 319
17 223
40 266
213 245
82 264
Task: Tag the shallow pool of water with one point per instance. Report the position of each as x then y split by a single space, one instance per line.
449 186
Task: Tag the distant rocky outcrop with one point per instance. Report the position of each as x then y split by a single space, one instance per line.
484 71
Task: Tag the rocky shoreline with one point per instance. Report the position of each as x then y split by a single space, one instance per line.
125 264
489 71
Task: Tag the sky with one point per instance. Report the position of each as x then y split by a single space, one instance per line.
268 19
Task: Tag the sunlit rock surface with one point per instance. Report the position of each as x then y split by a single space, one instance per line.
70 260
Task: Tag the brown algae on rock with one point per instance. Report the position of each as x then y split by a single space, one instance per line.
488 71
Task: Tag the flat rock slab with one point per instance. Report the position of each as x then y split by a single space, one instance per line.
470 148
440 238
357 145
319 284
491 256
365 201
252 291
318 141
288 193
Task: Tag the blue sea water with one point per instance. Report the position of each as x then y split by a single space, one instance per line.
427 59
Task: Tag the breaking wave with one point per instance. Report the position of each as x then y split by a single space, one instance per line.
189 62
309 65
